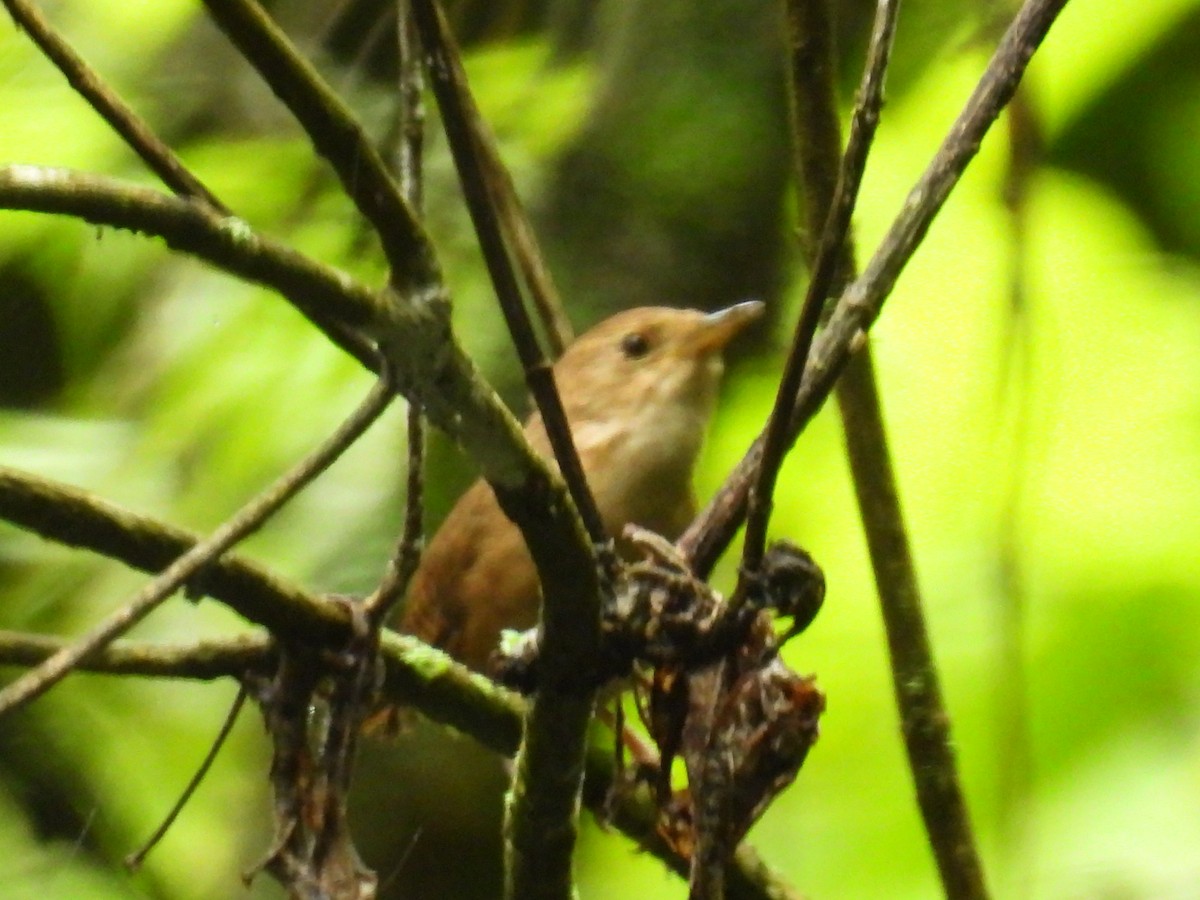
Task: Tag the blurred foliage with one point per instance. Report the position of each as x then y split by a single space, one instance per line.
650 139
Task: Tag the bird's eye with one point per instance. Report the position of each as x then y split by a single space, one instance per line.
635 345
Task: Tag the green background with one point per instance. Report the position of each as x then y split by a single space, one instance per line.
1055 448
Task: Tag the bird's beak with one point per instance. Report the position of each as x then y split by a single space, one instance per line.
718 328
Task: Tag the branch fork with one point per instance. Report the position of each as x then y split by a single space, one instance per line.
712 689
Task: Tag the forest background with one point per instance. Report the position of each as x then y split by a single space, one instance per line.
1040 372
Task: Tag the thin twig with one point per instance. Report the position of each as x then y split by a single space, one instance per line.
460 121
337 136
410 120
102 98
861 303
414 675
518 231
924 717
76 518
145 143
541 817
386 882
245 522
407 555
429 365
134 860
925 720
320 292
823 275
205 660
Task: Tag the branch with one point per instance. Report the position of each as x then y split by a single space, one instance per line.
540 821
134 860
827 266
414 674
462 124
105 101
244 522
925 721
428 364
76 518
498 182
409 140
406 556
205 660
924 718
861 303
337 136
410 109
318 291
513 219
146 144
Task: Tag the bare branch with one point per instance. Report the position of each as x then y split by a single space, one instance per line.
134 860
76 518
861 303
205 660
410 109
429 365
416 675
318 291
410 135
519 231
824 268
461 122
243 523
924 718
115 111
513 220
540 826
407 555
915 677
337 136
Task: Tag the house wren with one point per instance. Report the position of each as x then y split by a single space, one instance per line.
638 390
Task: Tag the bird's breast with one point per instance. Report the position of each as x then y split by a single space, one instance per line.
640 467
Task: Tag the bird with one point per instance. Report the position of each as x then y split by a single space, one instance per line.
639 390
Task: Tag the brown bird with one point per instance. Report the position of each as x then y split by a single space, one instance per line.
638 390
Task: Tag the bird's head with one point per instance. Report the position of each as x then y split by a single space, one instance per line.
647 357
